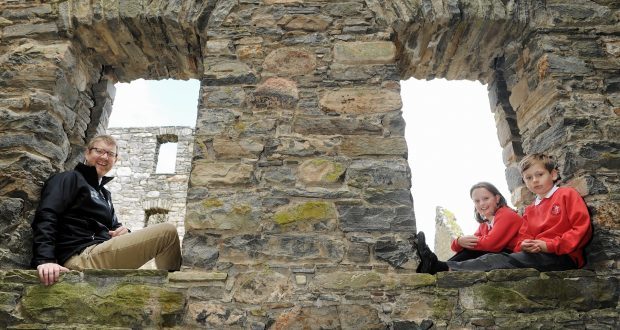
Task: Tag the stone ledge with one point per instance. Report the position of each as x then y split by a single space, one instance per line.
241 298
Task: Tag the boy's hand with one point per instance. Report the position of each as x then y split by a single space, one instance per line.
534 246
467 242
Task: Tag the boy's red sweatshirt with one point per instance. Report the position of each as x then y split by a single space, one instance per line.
506 226
562 221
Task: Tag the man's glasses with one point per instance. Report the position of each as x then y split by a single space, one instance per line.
101 152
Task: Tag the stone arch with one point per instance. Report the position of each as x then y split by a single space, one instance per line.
332 98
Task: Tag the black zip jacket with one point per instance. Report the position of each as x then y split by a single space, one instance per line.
75 212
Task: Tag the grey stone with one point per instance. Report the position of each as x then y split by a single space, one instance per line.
396 253
359 218
199 252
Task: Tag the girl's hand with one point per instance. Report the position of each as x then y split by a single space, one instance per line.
467 242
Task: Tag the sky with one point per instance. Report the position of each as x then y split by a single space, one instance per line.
450 133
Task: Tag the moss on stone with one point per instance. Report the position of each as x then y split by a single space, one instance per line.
500 298
122 305
305 212
212 202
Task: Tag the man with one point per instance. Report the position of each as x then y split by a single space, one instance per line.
75 226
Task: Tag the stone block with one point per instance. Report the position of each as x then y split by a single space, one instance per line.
261 287
223 213
321 171
459 279
309 23
381 196
370 280
288 248
82 303
358 252
357 218
213 315
308 318
206 173
359 317
397 252
361 101
276 93
223 97
379 174
354 146
225 148
29 30
290 61
308 211
338 125
199 251
229 73
365 52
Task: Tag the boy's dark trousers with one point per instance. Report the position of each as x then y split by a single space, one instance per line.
543 262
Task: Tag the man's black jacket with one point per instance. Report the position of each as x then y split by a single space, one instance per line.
75 212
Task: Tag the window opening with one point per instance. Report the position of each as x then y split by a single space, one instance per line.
154 216
453 144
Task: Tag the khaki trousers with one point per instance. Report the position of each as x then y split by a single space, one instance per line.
132 250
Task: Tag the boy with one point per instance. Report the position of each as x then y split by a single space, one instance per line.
556 227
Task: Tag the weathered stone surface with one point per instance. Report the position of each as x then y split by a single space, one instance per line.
254 249
276 93
344 126
372 280
199 251
321 171
206 173
226 148
229 73
360 218
360 101
379 174
227 212
368 146
290 61
309 317
398 253
82 302
260 287
371 52
309 211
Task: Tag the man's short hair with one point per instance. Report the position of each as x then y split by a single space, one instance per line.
107 139
539 158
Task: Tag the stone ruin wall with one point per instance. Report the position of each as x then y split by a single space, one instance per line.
141 196
446 230
299 182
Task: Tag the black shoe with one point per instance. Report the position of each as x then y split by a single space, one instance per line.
428 259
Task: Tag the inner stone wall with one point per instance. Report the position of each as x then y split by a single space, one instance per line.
140 192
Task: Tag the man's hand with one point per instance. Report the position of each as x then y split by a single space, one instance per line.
467 242
50 272
118 231
534 246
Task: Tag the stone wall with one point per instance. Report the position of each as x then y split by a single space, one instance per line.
446 230
142 196
299 164
326 299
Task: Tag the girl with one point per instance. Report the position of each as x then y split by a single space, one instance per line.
497 232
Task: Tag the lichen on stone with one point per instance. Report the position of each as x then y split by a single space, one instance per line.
305 212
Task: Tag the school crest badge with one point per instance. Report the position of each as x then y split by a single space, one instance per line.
555 209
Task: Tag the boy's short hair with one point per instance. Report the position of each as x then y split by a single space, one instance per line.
528 161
